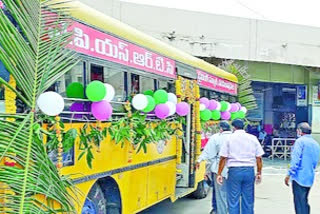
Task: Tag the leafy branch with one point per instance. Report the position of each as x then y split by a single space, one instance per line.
90 138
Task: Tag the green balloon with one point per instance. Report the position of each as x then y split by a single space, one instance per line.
75 90
160 96
148 92
215 115
234 115
224 106
151 104
241 115
205 115
96 91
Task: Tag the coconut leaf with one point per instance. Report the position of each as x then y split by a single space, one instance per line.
35 55
245 91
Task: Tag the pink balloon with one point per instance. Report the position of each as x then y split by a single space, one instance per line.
225 115
101 110
212 105
234 108
239 106
162 111
204 101
183 109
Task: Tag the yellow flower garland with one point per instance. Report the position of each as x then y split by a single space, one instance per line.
189 90
180 133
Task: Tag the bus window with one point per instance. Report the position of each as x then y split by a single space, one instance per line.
97 73
204 93
146 84
75 75
135 84
163 85
117 79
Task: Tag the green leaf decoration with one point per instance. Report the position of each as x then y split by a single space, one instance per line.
36 57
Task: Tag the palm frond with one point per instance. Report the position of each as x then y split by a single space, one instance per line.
35 55
245 91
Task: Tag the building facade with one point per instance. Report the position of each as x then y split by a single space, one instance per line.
282 59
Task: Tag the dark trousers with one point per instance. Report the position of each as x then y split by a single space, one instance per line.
240 189
214 201
300 196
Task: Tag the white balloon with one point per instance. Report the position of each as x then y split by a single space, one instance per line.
172 98
218 107
244 109
172 107
229 107
202 107
51 103
140 102
110 92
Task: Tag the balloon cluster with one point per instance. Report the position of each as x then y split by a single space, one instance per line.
100 94
160 103
214 110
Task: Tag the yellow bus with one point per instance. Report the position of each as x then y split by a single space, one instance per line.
121 180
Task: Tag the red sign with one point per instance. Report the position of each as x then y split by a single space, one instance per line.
216 83
94 43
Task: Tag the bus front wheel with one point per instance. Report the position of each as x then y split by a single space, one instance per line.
201 191
98 202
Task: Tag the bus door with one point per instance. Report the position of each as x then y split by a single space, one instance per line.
186 170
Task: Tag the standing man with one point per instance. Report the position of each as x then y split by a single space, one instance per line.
211 152
304 159
240 153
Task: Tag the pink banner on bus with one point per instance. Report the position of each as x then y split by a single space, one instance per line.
94 43
216 83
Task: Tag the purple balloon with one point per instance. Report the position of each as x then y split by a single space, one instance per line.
162 111
204 101
234 108
101 110
212 105
225 115
77 107
183 109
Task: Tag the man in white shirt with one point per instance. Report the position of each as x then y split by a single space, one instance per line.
211 152
240 153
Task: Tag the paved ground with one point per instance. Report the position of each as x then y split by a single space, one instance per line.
272 197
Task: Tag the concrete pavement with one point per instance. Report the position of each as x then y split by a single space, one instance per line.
272 197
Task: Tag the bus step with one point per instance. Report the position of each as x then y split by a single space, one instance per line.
183 191
179 177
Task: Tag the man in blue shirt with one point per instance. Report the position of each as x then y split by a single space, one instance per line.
304 159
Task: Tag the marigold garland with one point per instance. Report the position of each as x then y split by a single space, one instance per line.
60 145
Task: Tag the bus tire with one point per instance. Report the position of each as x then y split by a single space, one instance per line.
201 191
112 194
95 202
104 197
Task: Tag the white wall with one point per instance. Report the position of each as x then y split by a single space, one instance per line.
220 36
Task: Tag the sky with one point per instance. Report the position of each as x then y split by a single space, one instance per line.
304 12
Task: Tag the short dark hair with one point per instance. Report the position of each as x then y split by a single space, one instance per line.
238 124
305 128
225 126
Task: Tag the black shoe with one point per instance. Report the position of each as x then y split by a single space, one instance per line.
212 211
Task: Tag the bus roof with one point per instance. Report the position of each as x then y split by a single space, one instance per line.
97 19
